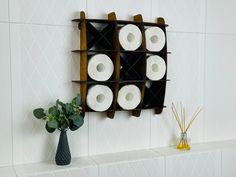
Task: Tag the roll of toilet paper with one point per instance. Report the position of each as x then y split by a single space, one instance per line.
155 39
129 97
130 37
100 67
99 97
156 67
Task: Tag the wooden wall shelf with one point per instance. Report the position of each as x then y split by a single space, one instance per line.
129 66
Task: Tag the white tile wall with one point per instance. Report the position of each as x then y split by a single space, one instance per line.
41 39
205 164
124 11
7 172
79 167
201 161
5 95
185 73
45 11
137 164
228 166
220 16
183 15
220 86
123 133
3 10
41 57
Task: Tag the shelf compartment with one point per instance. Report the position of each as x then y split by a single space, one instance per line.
131 66
113 59
154 94
100 38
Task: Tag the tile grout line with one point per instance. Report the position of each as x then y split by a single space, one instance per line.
12 136
9 38
39 24
150 129
204 75
4 22
150 10
170 31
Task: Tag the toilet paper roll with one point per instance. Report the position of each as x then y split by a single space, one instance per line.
99 97
155 39
100 67
156 67
130 37
129 97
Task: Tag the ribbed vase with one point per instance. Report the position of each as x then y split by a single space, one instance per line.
63 156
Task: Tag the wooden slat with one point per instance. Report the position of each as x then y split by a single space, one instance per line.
116 60
83 60
138 18
161 21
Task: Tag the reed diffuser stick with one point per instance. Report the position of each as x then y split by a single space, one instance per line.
181 120
193 118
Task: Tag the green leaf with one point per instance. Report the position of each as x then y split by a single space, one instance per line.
77 120
60 103
52 124
78 100
69 109
39 113
50 130
73 127
54 111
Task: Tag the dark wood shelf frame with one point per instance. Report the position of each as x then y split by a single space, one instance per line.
93 41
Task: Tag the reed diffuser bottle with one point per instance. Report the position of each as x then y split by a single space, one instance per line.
181 120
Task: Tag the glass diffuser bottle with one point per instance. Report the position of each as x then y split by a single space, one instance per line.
181 120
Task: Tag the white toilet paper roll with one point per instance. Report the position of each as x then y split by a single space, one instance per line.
100 67
156 67
130 37
155 39
129 97
99 97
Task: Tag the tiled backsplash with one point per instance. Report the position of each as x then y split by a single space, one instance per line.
204 160
36 63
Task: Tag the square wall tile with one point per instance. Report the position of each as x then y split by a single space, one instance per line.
5 94
202 164
79 167
220 16
4 11
46 11
184 15
41 72
228 157
7 171
127 164
124 10
220 86
185 71
123 133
